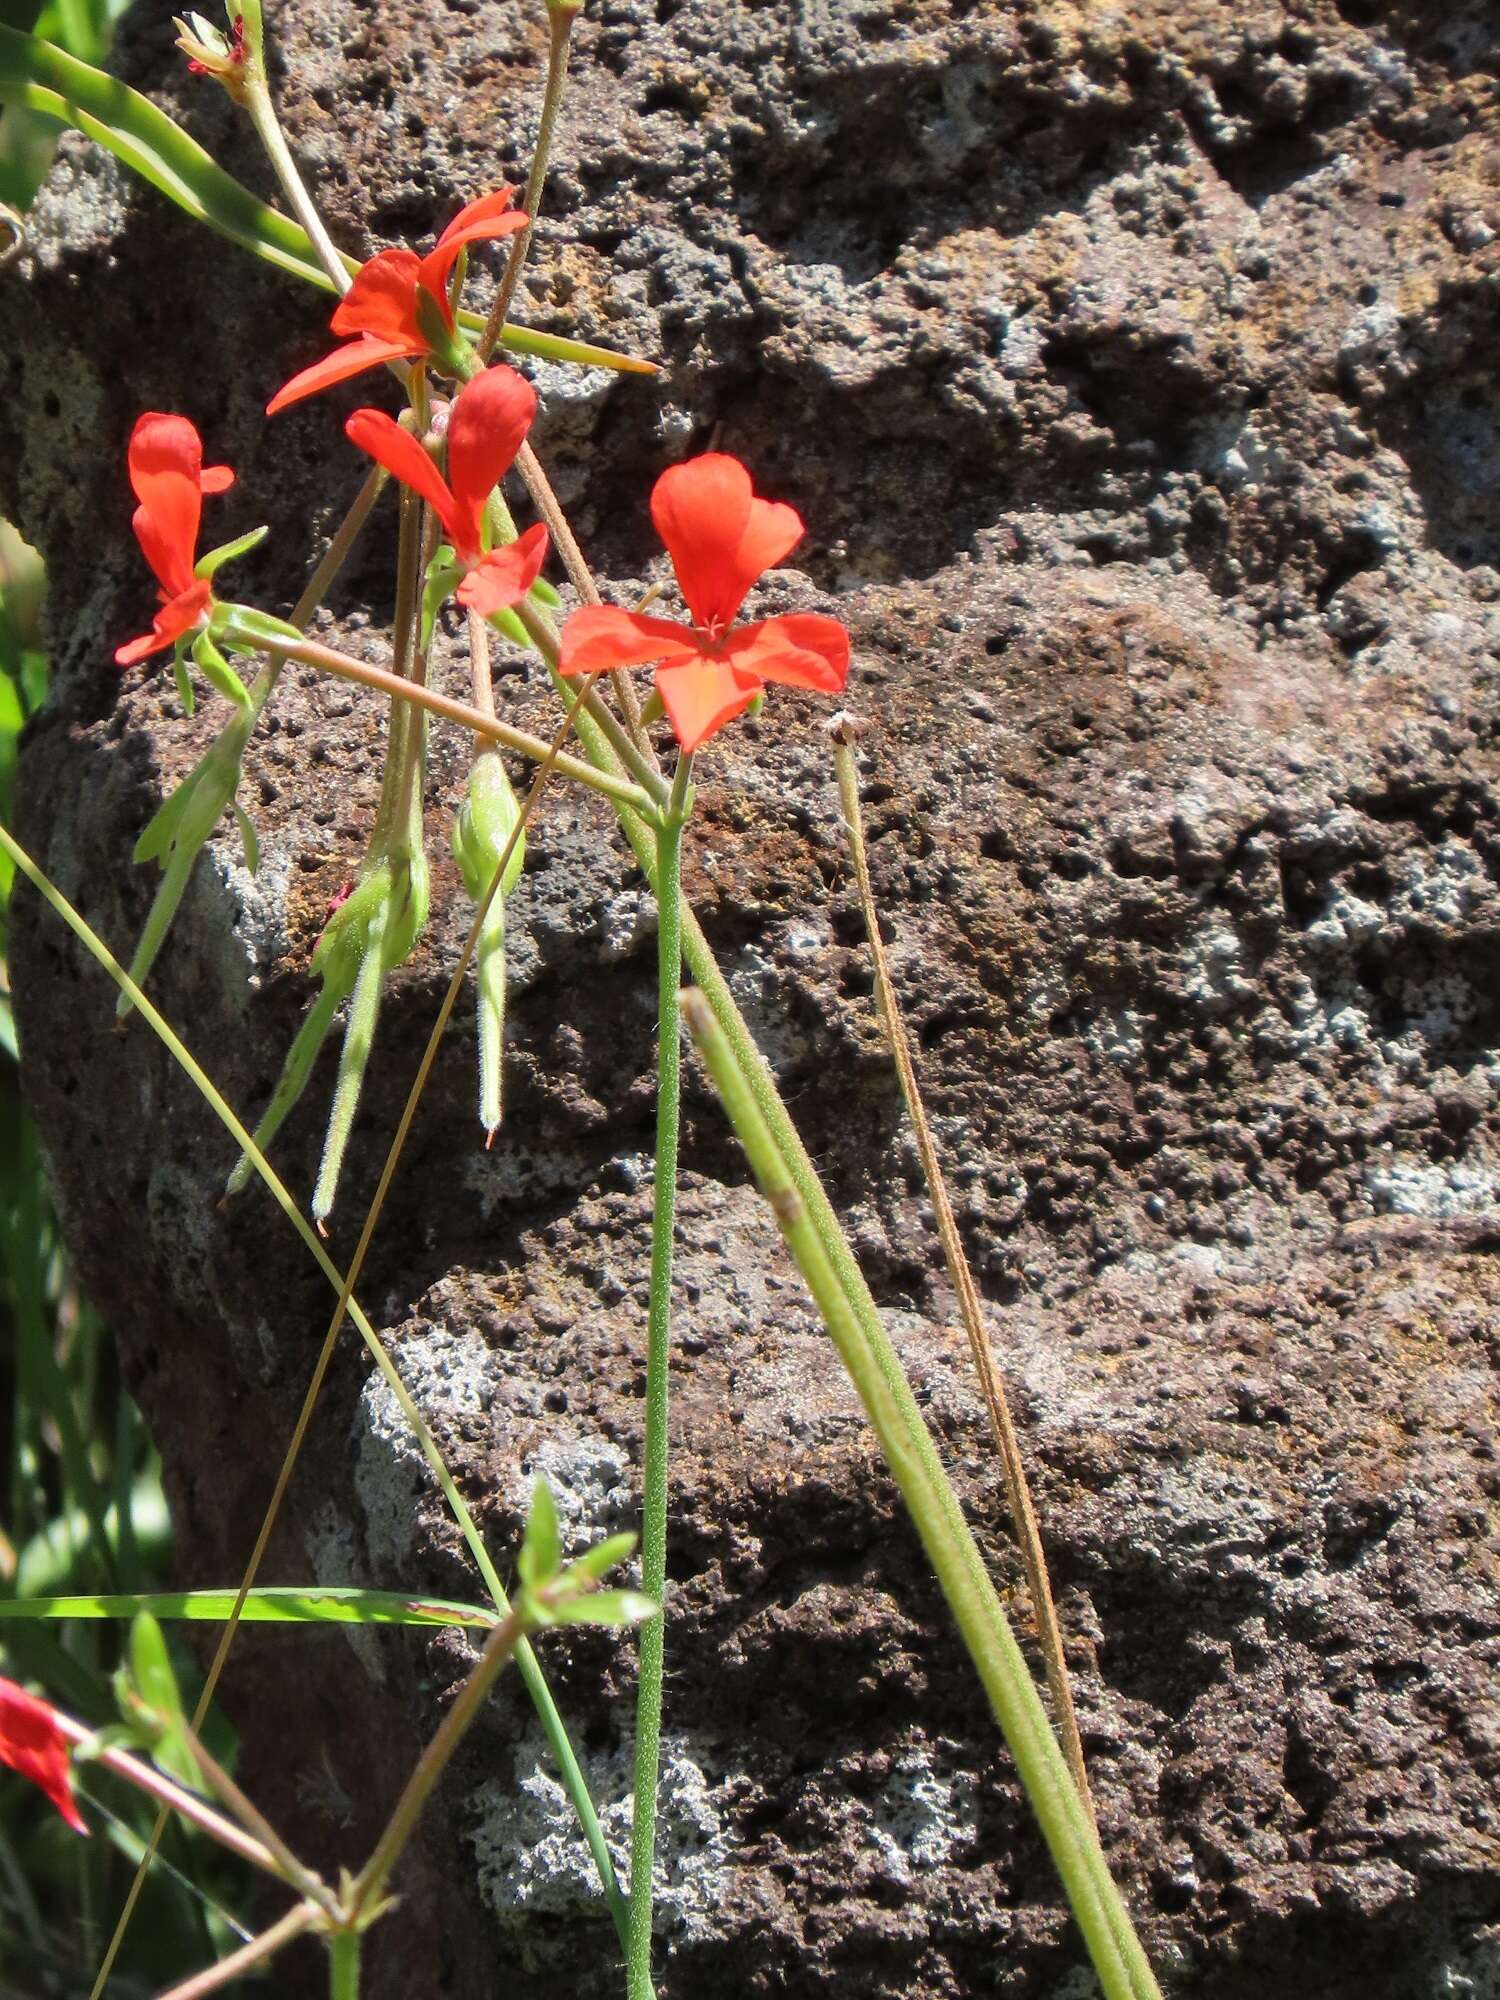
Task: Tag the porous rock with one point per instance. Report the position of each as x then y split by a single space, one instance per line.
1133 371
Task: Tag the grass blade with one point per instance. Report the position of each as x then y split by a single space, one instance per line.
266 1606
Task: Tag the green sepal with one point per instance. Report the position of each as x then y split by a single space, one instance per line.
184 682
208 566
443 577
242 625
486 821
248 838
508 623
547 594
217 671
652 709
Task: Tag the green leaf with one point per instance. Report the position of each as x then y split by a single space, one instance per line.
541 1551
267 1606
40 76
150 1697
600 1560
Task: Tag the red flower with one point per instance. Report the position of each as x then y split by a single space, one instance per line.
170 480
487 426
32 1743
384 304
720 538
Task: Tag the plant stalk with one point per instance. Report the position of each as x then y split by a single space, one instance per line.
875 1370
648 1703
256 1952
561 21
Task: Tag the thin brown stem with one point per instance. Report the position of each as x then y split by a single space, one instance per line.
550 508
1017 1487
250 1816
455 1725
256 1952
345 667
561 19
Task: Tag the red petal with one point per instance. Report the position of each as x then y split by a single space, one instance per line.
701 696
800 650
178 615
476 213
489 217
488 425
215 479
504 576
32 1743
165 459
383 300
720 538
366 352
600 638
398 451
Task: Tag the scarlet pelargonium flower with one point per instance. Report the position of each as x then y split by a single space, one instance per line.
32 1743
394 293
170 479
721 539
487 426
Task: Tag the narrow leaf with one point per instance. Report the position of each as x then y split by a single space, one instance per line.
271 1605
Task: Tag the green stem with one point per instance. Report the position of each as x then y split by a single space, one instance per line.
354 1056
344 1948
658 1355
557 69
876 1372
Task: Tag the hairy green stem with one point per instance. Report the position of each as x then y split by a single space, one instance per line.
875 1370
648 1701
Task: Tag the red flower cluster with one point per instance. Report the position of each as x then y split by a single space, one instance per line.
32 1743
487 426
169 477
385 306
721 539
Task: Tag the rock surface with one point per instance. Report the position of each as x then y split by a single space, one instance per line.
1133 369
